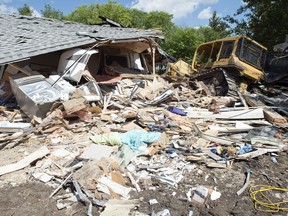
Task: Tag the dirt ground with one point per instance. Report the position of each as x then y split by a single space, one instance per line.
227 181
21 195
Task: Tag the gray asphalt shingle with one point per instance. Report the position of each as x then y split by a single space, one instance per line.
23 37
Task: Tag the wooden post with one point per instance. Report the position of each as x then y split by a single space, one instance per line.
153 61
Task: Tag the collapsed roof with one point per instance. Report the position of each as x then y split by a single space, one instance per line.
22 37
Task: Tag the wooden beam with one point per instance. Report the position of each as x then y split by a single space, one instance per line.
21 69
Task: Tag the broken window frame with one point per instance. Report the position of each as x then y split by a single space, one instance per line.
226 49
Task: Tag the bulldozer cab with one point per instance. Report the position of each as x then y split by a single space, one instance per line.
238 53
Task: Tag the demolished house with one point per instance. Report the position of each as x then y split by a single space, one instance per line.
95 119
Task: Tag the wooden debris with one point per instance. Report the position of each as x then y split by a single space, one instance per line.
212 155
117 177
269 114
39 153
274 117
137 187
158 144
215 139
117 188
233 115
217 165
21 69
203 143
203 87
60 186
74 105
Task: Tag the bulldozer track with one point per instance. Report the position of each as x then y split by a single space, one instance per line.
232 86
229 77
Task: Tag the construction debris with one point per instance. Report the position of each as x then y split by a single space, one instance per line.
111 129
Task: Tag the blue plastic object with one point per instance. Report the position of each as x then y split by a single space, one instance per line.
244 149
136 138
176 111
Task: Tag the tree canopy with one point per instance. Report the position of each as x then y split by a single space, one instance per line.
25 10
89 14
50 12
219 26
181 43
264 20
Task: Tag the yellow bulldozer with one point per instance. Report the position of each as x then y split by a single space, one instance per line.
226 64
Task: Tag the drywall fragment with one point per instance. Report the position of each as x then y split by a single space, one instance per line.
95 152
153 201
39 153
164 212
6 126
117 188
200 194
215 195
43 177
119 207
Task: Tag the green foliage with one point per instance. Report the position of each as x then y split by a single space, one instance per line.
181 43
115 12
138 18
25 10
86 14
219 26
89 14
206 34
266 20
159 19
50 12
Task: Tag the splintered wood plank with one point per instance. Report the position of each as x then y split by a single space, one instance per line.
118 178
274 117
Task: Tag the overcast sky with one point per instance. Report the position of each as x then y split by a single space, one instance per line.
186 13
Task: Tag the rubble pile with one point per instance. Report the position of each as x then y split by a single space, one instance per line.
114 125
105 142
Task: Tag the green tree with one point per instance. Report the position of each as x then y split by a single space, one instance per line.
159 19
206 34
51 12
115 12
25 10
138 18
86 14
266 20
89 14
182 43
218 25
